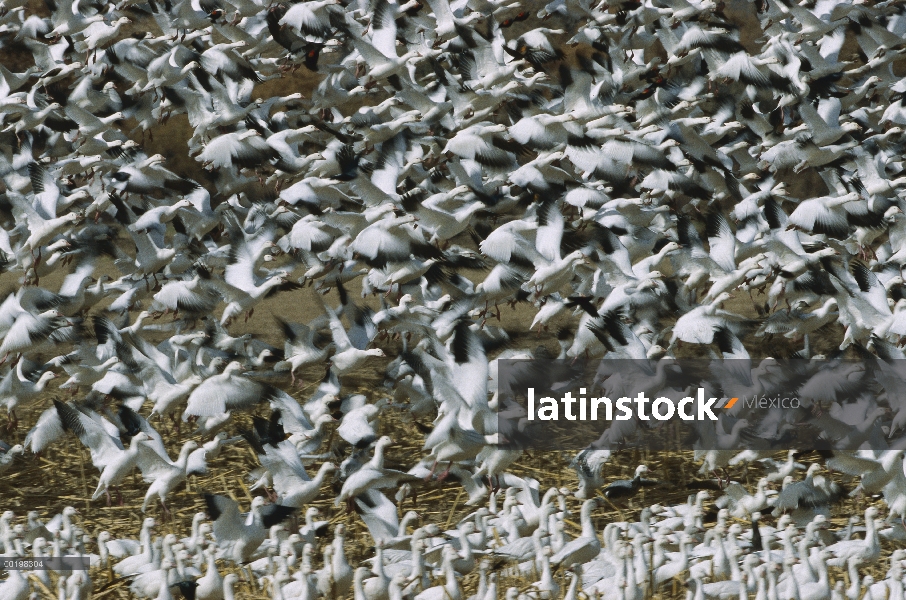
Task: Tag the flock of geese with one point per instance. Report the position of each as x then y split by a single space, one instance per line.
619 170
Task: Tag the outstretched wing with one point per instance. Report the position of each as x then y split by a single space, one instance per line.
104 448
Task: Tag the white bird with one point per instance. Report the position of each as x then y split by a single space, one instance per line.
163 474
239 536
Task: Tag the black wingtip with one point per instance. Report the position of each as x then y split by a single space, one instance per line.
210 501
187 589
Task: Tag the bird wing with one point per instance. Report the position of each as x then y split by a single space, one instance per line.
284 464
44 184
152 465
383 27
228 523
550 231
375 240
340 337
292 415
379 515
103 447
25 209
274 514
301 18
209 398
721 242
81 116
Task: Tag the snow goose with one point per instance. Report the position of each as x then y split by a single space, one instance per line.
17 387
866 551
392 239
585 547
239 536
589 464
699 324
99 35
372 475
227 391
107 452
131 565
234 151
8 454
292 484
312 19
15 587
450 590
347 357
627 488
381 66
478 143
210 585
163 474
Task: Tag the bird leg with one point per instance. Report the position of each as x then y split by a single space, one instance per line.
13 420
167 514
446 473
497 308
119 495
431 473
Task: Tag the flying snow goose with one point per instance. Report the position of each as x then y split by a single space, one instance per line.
292 484
107 452
372 475
347 357
234 151
163 474
17 387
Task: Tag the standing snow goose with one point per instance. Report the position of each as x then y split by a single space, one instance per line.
450 590
237 535
15 587
867 551
585 547
8 454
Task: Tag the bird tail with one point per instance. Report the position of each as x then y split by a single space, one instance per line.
99 491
